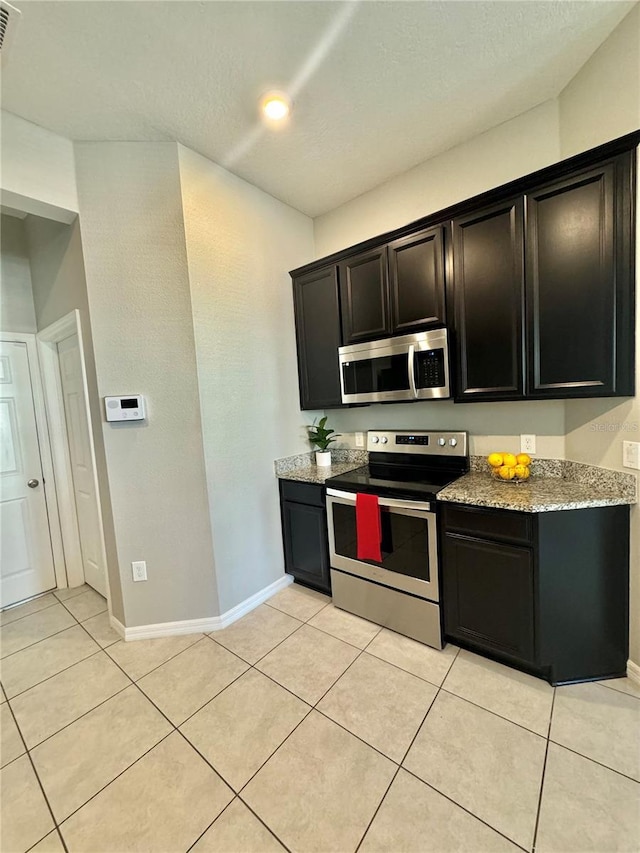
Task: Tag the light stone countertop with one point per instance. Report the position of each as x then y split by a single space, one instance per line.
538 494
315 474
555 484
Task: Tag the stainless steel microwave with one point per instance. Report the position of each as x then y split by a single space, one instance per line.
410 367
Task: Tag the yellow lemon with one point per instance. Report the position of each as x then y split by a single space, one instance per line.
507 472
495 460
509 459
523 459
522 472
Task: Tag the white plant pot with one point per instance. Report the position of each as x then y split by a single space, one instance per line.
323 457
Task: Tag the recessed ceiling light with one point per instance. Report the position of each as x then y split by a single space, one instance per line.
275 106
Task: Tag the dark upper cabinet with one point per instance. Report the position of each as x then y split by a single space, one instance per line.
416 281
539 280
488 292
577 336
318 337
364 295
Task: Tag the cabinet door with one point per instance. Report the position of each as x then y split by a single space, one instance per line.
571 287
306 549
416 281
488 596
488 292
364 294
318 337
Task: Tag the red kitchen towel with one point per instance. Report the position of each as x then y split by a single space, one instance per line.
368 528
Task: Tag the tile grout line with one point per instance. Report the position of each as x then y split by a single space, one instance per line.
26 615
463 808
175 729
29 757
544 771
494 713
594 761
615 689
400 763
49 677
42 639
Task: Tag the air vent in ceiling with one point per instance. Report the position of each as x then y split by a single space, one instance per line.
9 17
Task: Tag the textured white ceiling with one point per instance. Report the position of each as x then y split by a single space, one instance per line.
378 86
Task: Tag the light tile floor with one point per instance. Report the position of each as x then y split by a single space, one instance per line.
299 728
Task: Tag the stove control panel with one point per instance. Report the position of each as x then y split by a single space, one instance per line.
428 443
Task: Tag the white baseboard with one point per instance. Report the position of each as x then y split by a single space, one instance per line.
633 672
197 626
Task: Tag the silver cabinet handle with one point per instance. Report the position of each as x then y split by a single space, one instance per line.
33 484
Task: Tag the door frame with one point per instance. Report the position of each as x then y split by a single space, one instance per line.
46 456
47 341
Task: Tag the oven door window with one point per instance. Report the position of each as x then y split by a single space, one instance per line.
375 375
405 540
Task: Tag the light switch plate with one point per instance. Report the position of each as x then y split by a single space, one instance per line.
527 444
139 570
631 454
359 439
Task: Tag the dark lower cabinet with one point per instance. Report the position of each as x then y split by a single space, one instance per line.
318 336
491 601
545 592
304 532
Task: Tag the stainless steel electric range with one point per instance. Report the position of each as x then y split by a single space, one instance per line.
406 471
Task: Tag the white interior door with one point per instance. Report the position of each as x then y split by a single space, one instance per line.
84 483
26 558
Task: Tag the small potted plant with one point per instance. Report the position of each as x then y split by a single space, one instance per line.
322 438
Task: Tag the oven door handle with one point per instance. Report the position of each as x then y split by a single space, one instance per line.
392 503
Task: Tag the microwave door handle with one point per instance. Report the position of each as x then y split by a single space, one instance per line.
412 372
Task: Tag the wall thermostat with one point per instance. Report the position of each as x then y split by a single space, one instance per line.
130 408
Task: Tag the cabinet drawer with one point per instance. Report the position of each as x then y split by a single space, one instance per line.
501 525
303 493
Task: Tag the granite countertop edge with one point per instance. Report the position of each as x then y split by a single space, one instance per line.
559 485
542 494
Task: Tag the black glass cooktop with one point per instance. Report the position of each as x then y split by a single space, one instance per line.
402 481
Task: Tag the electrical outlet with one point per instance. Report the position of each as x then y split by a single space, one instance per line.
527 444
359 439
139 570
631 454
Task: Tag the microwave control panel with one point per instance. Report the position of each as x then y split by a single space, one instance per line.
126 408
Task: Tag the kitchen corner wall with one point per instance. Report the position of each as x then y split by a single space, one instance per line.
17 313
240 244
601 103
140 307
59 287
515 148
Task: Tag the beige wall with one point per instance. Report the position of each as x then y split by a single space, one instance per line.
138 292
240 244
17 313
601 103
502 154
37 173
59 287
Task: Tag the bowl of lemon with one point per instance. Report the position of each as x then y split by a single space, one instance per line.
509 467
